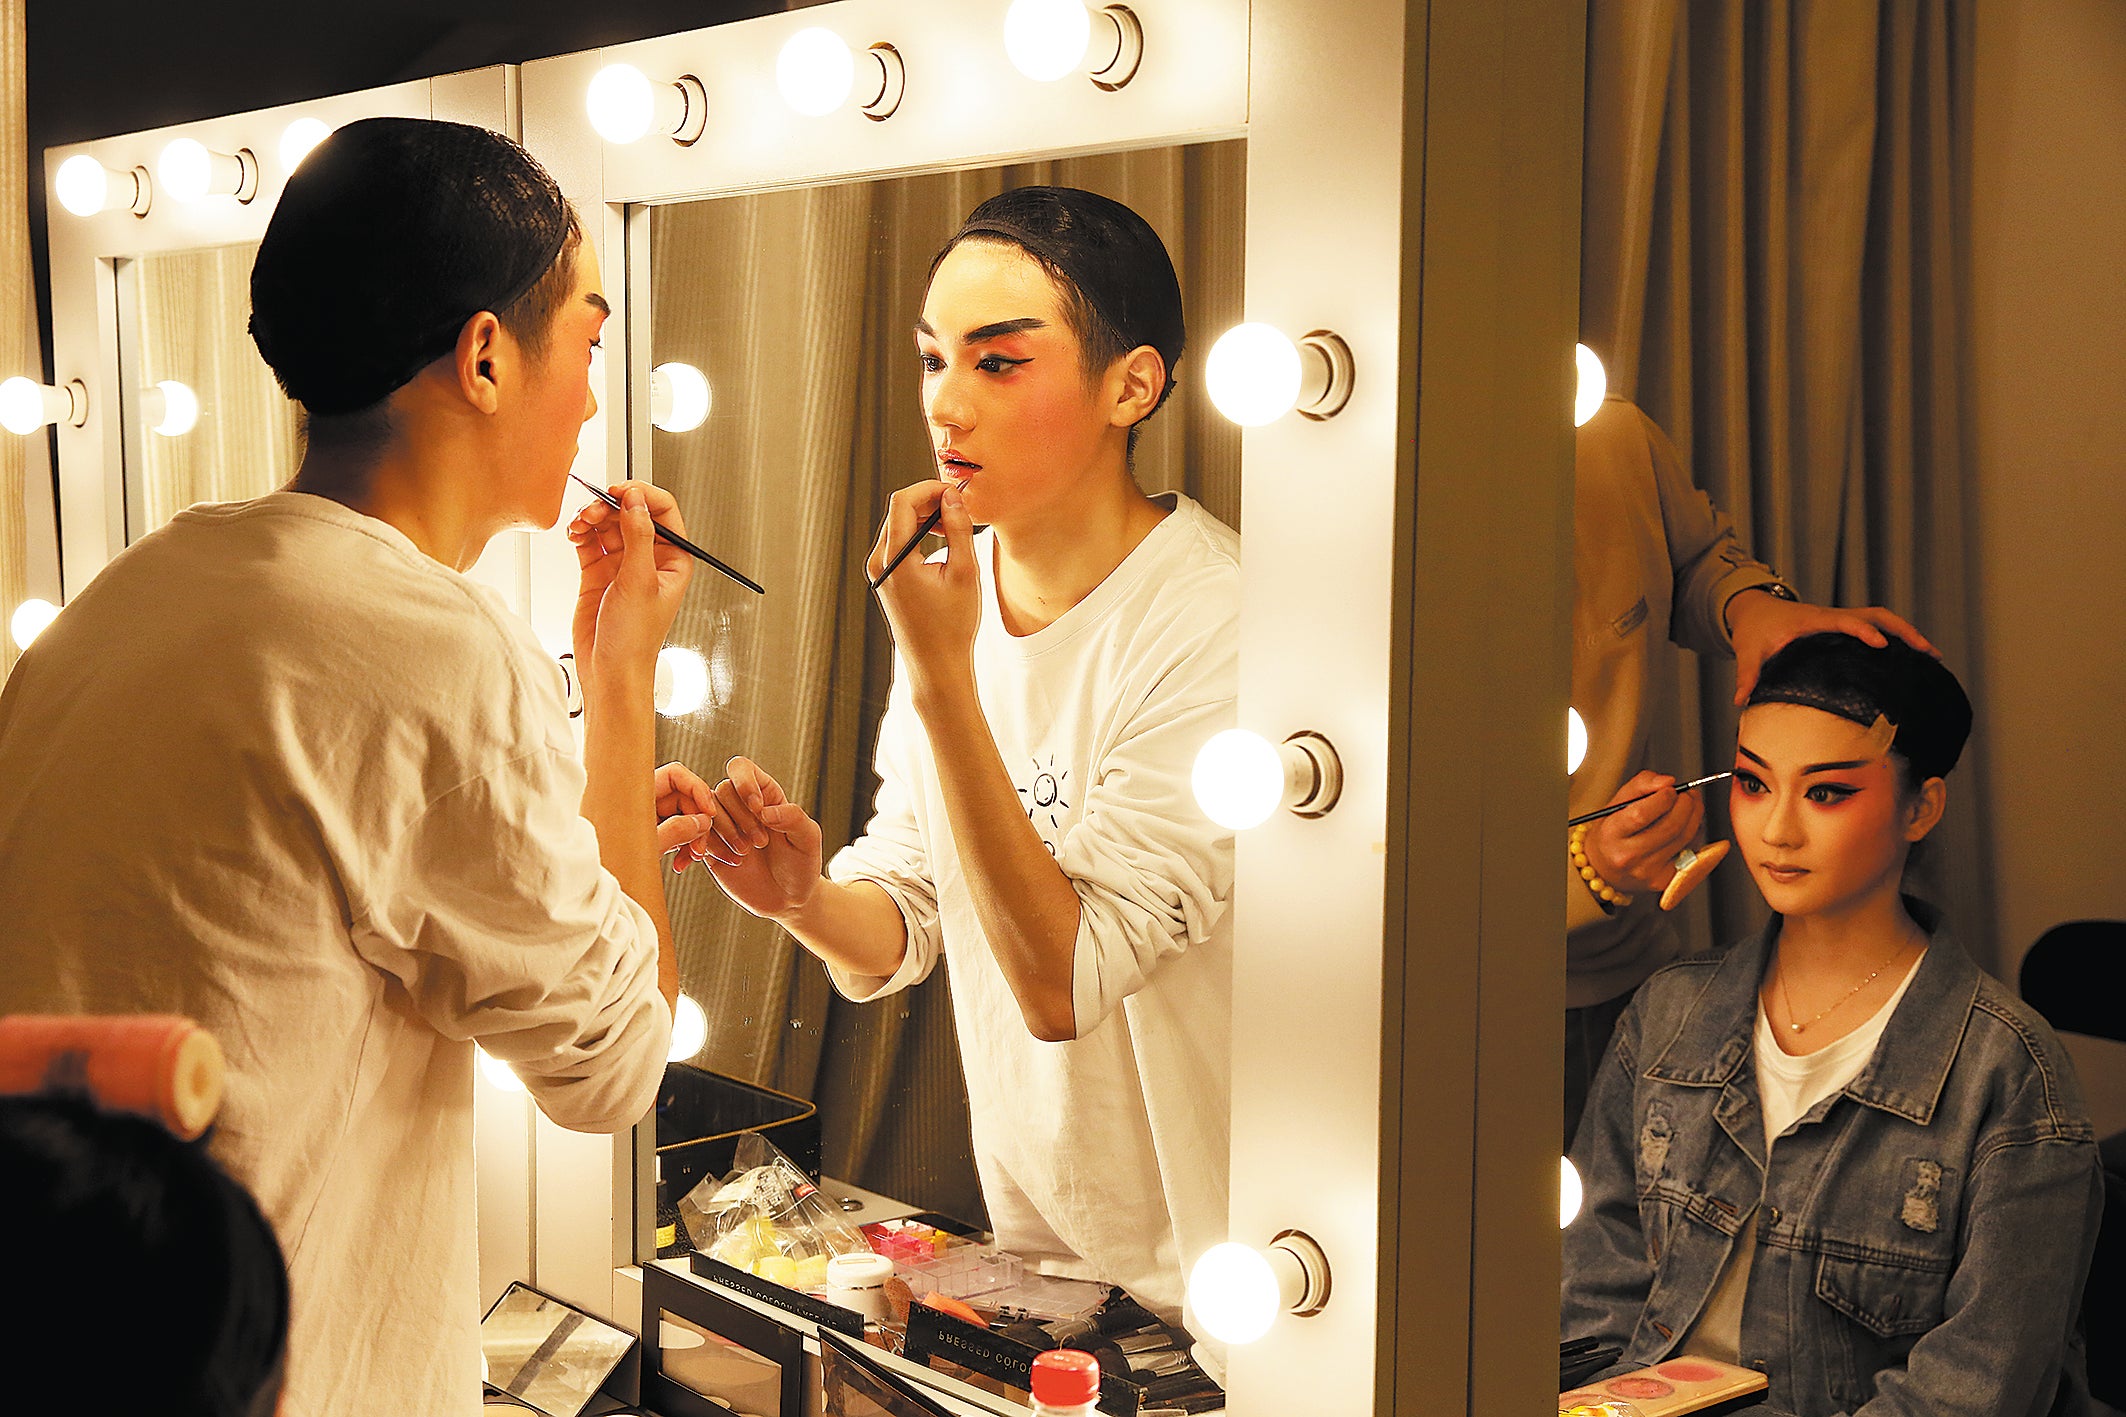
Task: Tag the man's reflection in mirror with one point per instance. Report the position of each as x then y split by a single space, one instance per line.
1055 674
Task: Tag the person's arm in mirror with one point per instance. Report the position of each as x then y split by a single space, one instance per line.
630 589
1027 905
765 851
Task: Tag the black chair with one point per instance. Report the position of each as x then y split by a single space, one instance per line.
2075 975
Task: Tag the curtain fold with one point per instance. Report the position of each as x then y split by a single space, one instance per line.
1775 237
18 310
800 307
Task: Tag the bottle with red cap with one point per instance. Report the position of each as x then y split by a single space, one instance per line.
1066 1383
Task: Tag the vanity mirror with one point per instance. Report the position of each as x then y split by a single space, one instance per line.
794 310
1408 195
203 419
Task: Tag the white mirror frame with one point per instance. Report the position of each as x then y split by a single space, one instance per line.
1413 185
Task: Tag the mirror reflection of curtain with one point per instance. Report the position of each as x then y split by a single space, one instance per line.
18 329
194 312
799 307
1774 248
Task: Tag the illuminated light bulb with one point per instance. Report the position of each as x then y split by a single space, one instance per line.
1575 741
1237 1291
83 185
622 103
1240 778
31 618
190 171
682 681
690 1030
815 71
1255 374
500 1076
1594 385
26 405
170 408
299 138
679 398
1568 1192
1047 39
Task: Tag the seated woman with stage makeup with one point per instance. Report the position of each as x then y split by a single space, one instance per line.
1838 1152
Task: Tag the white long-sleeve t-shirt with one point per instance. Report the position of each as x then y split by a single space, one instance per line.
1105 1156
277 770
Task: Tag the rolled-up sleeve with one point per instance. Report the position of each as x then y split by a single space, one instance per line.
1712 566
891 855
494 915
1153 873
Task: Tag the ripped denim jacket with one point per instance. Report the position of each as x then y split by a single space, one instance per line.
1922 1236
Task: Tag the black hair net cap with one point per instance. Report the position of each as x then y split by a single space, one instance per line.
390 236
1856 681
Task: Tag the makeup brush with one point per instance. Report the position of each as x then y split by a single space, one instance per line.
1602 812
673 538
930 524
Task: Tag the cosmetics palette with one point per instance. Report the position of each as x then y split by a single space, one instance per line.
1669 1389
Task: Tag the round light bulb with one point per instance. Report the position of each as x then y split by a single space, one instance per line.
815 71
679 397
299 138
1253 374
30 620
1234 1292
83 185
500 1076
180 409
1575 741
185 169
21 405
1594 385
690 1030
682 681
1047 39
622 103
1568 1192
1239 779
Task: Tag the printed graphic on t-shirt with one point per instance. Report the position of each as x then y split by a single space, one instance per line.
1046 801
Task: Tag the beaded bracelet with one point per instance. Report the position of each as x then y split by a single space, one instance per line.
1611 898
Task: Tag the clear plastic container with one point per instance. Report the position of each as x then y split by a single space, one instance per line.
960 1270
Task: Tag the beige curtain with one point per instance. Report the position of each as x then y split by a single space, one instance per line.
18 310
1774 253
799 307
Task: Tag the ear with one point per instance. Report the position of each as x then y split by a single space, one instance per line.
1136 381
1927 805
478 353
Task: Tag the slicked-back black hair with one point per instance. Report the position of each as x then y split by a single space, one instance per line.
1118 282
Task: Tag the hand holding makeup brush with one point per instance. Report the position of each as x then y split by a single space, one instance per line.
1635 849
935 608
630 583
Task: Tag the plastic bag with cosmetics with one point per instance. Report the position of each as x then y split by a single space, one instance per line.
768 1219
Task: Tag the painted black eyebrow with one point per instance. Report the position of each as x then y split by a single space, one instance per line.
599 301
1816 768
979 333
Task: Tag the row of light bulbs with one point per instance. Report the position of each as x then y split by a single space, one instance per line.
818 72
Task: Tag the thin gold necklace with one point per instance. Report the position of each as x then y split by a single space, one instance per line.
1788 999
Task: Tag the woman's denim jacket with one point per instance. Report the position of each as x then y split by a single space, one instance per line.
1923 1234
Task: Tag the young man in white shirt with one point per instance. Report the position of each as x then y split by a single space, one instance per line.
1034 825
282 768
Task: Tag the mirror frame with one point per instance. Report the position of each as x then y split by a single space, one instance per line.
1413 185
